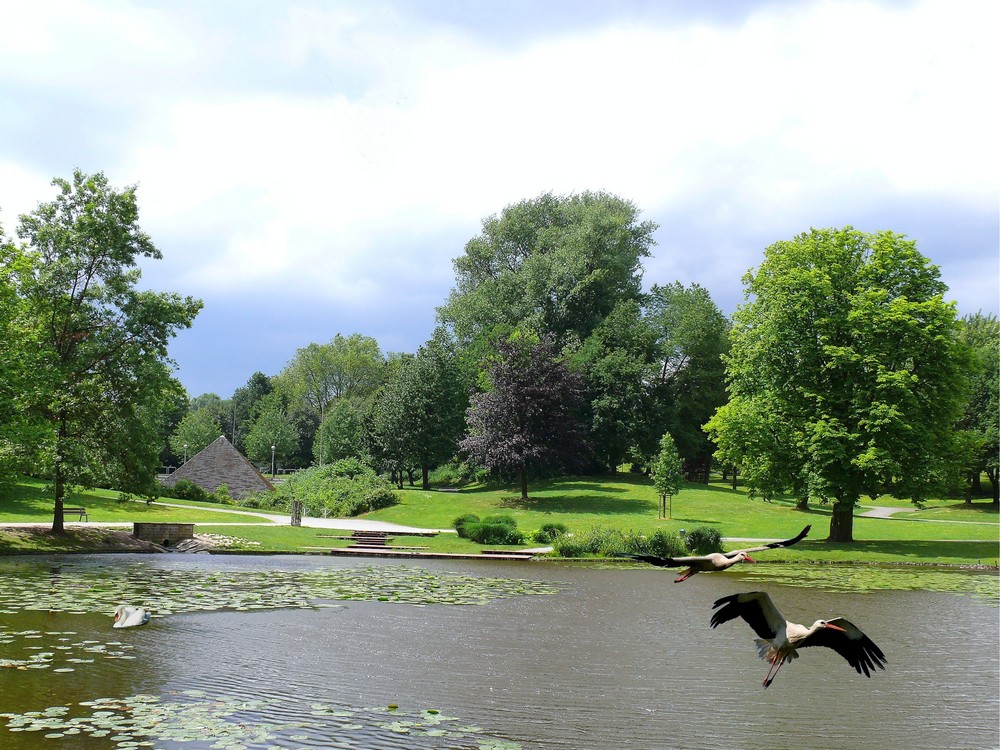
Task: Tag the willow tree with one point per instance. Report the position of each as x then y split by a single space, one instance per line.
106 383
846 373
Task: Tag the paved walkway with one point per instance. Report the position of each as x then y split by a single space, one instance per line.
346 524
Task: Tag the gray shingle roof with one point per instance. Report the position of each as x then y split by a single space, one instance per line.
220 464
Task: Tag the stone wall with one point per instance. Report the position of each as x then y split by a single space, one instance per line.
165 534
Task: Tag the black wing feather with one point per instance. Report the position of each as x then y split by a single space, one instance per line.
749 610
790 542
661 562
857 648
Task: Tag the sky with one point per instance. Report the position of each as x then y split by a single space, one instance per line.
313 168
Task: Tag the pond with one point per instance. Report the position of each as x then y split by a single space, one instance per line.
319 652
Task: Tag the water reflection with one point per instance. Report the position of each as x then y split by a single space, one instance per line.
618 658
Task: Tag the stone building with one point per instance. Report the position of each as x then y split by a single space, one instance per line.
220 464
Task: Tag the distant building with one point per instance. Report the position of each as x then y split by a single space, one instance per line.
220 464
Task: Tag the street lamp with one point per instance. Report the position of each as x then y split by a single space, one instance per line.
185 452
272 462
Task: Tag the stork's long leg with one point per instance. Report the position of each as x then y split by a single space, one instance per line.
770 677
687 574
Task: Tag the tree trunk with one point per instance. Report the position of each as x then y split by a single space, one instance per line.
59 479
735 474
995 481
802 503
842 522
57 513
524 483
411 477
425 477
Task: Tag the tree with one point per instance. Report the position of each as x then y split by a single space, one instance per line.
692 335
246 405
20 366
618 365
103 341
557 265
195 432
347 367
526 416
272 427
981 333
667 474
342 432
418 416
846 372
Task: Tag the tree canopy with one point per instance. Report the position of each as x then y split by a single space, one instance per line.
102 340
526 415
556 265
846 372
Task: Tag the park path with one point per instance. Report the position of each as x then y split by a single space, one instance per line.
345 524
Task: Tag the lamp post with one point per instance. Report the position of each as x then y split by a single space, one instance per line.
185 452
272 462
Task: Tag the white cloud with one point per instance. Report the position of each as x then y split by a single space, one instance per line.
317 146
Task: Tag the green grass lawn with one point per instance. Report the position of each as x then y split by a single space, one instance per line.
957 534
30 502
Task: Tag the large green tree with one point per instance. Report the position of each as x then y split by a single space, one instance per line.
272 434
102 339
418 416
526 415
846 373
194 432
982 411
691 335
347 367
554 264
246 405
20 366
618 362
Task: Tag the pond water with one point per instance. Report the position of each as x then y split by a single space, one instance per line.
317 652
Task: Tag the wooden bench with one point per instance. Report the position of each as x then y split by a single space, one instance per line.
80 513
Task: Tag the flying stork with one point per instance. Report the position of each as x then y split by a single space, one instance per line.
717 560
780 639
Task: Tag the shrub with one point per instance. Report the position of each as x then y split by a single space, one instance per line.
663 544
704 540
494 530
185 489
221 495
606 542
457 473
549 532
462 523
344 488
568 545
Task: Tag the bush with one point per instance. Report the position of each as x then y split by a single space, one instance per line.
568 545
704 540
185 489
663 544
344 488
605 542
463 522
494 530
457 473
549 532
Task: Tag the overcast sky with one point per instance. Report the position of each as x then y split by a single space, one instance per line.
312 168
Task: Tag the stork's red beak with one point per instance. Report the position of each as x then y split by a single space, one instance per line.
836 627
749 559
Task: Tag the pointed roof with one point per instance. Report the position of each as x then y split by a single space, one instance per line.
219 464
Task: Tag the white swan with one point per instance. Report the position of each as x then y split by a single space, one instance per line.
128 617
